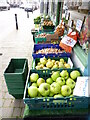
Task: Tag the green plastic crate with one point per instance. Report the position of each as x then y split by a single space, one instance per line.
66 59
16 71
18 96
39 39
16 85
50 102
16 91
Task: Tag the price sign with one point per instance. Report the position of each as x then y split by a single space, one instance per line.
78 25
81 88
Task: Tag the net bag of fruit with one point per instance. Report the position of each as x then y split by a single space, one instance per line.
60 30
68 41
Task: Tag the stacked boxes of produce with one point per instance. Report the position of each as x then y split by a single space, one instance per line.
15 77
52 79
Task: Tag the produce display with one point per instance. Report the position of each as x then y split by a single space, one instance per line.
59 84
37 20
45 63
60 30
47 23
42 35
49 50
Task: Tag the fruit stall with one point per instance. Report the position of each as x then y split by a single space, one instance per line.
56 85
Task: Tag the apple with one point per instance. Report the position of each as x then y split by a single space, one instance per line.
38 67
34 77
43 60
41 66
70 82
34 84
62 60
55 88
65 90
53 61
49 60
61 65
58 96
51 94
44 89
60 81
40 81
55 66
67 65
32 91
49 64
55 75
39 63
49 81
57 62
64 74
74 74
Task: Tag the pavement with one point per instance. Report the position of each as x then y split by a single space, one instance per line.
15 44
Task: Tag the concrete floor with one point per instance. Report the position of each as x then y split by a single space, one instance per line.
17 44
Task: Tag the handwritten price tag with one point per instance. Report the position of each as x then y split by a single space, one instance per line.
81 88
78 25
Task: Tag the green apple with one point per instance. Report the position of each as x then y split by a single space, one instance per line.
70 82
57 62
32 91
51 94
49 81
61 65
53 61
38 67
55 88
41 66
67 65
34 84
62 60
64 74
55 75
38 63
49 60
55 66
65 90
34 77
44 89
49 64
74 74
60 81
43 60
58 96
40 81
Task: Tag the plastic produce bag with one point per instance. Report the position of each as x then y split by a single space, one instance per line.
68 41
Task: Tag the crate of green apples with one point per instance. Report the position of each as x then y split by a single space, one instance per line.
52 63
52 89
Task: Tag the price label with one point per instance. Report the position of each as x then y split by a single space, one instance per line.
78 25
81 88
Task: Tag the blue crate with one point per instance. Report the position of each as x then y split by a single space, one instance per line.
43 103
42 46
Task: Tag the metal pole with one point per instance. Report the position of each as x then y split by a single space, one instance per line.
16 22
58 12
27 14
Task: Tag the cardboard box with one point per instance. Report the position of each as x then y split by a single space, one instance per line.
52 36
